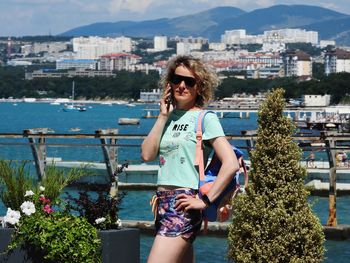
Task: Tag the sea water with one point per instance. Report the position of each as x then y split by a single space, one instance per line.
15 119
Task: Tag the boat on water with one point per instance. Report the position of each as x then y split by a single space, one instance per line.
150 113
72 106
128 121
75 129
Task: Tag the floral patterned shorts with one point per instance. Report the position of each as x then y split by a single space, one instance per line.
172 223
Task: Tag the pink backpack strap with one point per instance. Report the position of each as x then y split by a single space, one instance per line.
199 160
245 172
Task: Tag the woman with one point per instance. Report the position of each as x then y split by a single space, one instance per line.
188 84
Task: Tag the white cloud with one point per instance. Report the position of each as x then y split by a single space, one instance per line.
139 6
57 16
332 6
39 2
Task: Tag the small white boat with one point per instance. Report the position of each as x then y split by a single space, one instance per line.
318 144
330 125
128 121
130 105
76 129
72 106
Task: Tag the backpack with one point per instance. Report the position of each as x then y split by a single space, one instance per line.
220 209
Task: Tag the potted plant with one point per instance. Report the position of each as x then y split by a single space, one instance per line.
40 227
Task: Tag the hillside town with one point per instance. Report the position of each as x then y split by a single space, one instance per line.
103 56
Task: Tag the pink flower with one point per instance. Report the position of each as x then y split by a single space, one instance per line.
44 200
47 209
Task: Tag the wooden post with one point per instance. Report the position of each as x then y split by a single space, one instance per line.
250 141
110 157
331 152
38 151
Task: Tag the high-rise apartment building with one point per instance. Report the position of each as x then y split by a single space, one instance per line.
186 48
297 63
336 61
45 47
94 47
232 37
291 35
118 61
160 43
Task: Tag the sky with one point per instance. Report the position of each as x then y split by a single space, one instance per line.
44 17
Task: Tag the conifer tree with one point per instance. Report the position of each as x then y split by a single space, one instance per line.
273 221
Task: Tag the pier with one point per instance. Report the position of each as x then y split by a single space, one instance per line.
244 112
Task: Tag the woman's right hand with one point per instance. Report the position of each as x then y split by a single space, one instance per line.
166 102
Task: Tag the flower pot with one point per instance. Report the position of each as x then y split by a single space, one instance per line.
122 246
117 246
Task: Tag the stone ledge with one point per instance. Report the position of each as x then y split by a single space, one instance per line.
340 232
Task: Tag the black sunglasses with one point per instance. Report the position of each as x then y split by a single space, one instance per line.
189 81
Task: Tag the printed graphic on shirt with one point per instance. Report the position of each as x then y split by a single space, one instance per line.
180 127
176 134
172 148
189 136
182 160
161 160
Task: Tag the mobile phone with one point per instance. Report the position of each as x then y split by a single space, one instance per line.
169 100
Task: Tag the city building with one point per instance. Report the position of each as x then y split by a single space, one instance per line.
160 43
291 35
297 63
76 64
217 46
264 72
183 48
266 59
233 37
316 100
118 61
273 47
45 47
94 47
325 43
336 61
151 96
272 40
191 40
19 62
52 73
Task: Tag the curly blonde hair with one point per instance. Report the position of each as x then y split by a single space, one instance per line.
207 79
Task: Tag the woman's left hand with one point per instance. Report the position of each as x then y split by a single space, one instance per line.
186 202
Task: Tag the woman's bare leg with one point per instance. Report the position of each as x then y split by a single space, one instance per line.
170 250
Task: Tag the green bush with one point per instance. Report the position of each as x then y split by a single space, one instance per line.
59 237
14 182
273 222
42 224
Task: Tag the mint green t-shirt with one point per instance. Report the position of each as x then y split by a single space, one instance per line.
177 148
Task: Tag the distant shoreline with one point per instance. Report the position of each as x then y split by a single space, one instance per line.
67 101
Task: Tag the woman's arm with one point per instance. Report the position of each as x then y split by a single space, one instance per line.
150 145
228 169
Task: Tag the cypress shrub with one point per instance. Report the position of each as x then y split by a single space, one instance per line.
273 221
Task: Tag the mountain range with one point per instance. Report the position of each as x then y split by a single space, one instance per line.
212 23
